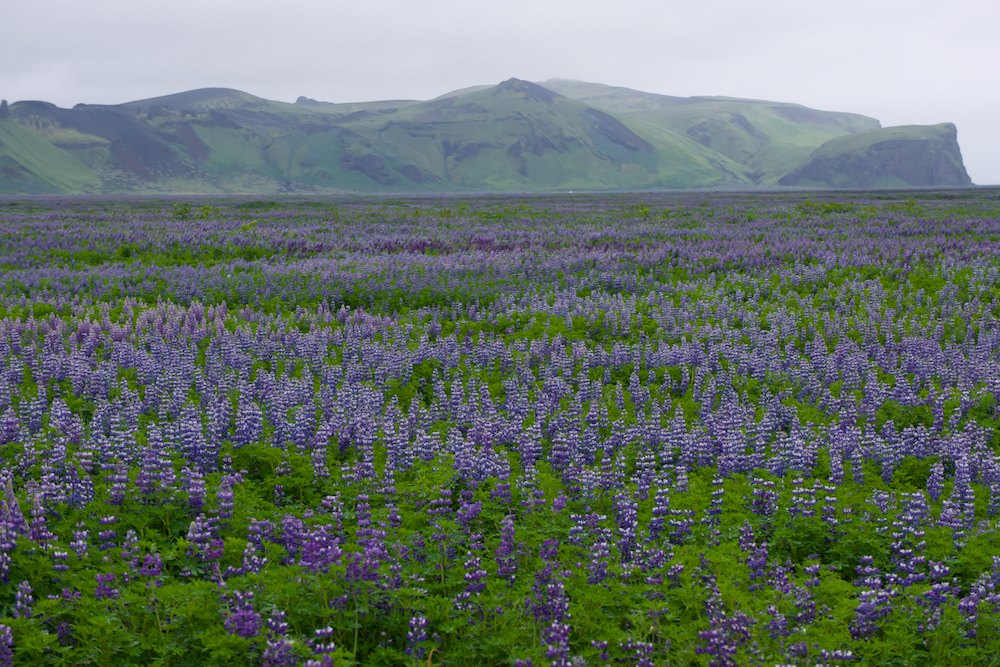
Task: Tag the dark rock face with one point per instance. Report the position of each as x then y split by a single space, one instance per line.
923 160
370 165
615 130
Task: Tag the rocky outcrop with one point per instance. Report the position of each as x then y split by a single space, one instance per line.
905 156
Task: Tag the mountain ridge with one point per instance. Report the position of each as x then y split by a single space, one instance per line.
514 136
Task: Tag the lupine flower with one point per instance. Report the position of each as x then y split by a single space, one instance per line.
243 620
6 646
322 641
726 632
506 551
873 605
757 556
204 543
38 529
416 635
935 481
106 589
279 652
475 583
24 601
225 498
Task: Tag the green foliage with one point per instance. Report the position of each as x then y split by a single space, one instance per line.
911 474
182 211
903 416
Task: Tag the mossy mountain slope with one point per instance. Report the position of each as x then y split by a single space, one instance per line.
767 138
514 136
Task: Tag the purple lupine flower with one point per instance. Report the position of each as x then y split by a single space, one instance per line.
932 601
549 551
556 638
935 481
225 497
873 606
219 417
506 551
726 633
559 503
10 426
152 567
279 652
778 625
243 620
641 653
249 422
325 661
80 545
661 509
475 583
869 576
194 487
38 529
812 570
6 646
322 641
105 587
681 525
60 561
835 657
204 544
24 601
714 510
156 472
803 499
757 556
201 453
320 549
108 535
548 601
130 553
277 626
440 506
983 592
602 646
415 636
597 568
805 606
626 517
549 605
501 493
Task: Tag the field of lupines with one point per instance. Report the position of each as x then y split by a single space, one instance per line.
684 430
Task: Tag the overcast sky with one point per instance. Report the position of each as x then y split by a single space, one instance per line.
901 61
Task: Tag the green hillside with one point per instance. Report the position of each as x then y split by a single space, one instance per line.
521 136
515 136
32 164
767 138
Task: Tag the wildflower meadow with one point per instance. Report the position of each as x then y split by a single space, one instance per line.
686 429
